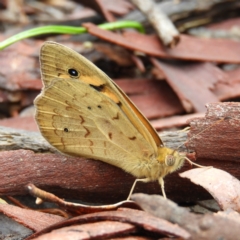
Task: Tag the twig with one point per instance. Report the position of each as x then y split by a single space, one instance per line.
160 21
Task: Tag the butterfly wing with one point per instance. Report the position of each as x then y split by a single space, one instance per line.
79 120
56 60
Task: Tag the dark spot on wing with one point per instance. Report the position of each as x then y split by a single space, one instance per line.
65 129
110 135
116 117
73 72
87 132
119 104
99 106
99 88
89 107
82 119
132 138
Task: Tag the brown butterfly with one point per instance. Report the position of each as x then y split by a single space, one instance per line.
82 112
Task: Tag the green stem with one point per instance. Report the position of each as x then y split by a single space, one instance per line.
54 29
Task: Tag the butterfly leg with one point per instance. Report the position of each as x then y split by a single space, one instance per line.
145 180
161 182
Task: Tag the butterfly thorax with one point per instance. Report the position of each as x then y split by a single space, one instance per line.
158 166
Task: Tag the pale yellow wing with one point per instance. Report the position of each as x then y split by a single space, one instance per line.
56 61
80 120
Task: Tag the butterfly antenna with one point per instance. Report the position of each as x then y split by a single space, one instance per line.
217 122
193 163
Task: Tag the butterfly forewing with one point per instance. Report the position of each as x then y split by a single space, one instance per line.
52 68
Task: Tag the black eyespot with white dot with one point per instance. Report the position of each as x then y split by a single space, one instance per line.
73 72
65 129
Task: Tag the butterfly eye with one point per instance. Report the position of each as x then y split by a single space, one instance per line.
169 160
73 72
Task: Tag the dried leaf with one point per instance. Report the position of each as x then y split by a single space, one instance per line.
221 185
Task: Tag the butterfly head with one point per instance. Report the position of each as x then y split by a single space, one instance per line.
171 159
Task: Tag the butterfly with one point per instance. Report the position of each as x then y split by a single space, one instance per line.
82 112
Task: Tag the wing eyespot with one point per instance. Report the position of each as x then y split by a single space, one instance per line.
89 107
73 72
65 129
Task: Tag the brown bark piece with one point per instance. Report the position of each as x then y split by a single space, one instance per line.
32 219
98 230
107 7
135 217
119 55
174 121
192 82
233 76
189 48
90 181
153 98
227 24
204 227
231 88
12 139
217 135
17 67
24 123
107 15
71 177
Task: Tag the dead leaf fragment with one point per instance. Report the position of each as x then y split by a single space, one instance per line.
188 79
137 218
98 230
204 227
189 48
32 219
221 185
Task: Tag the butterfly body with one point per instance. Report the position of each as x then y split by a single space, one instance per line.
81 112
